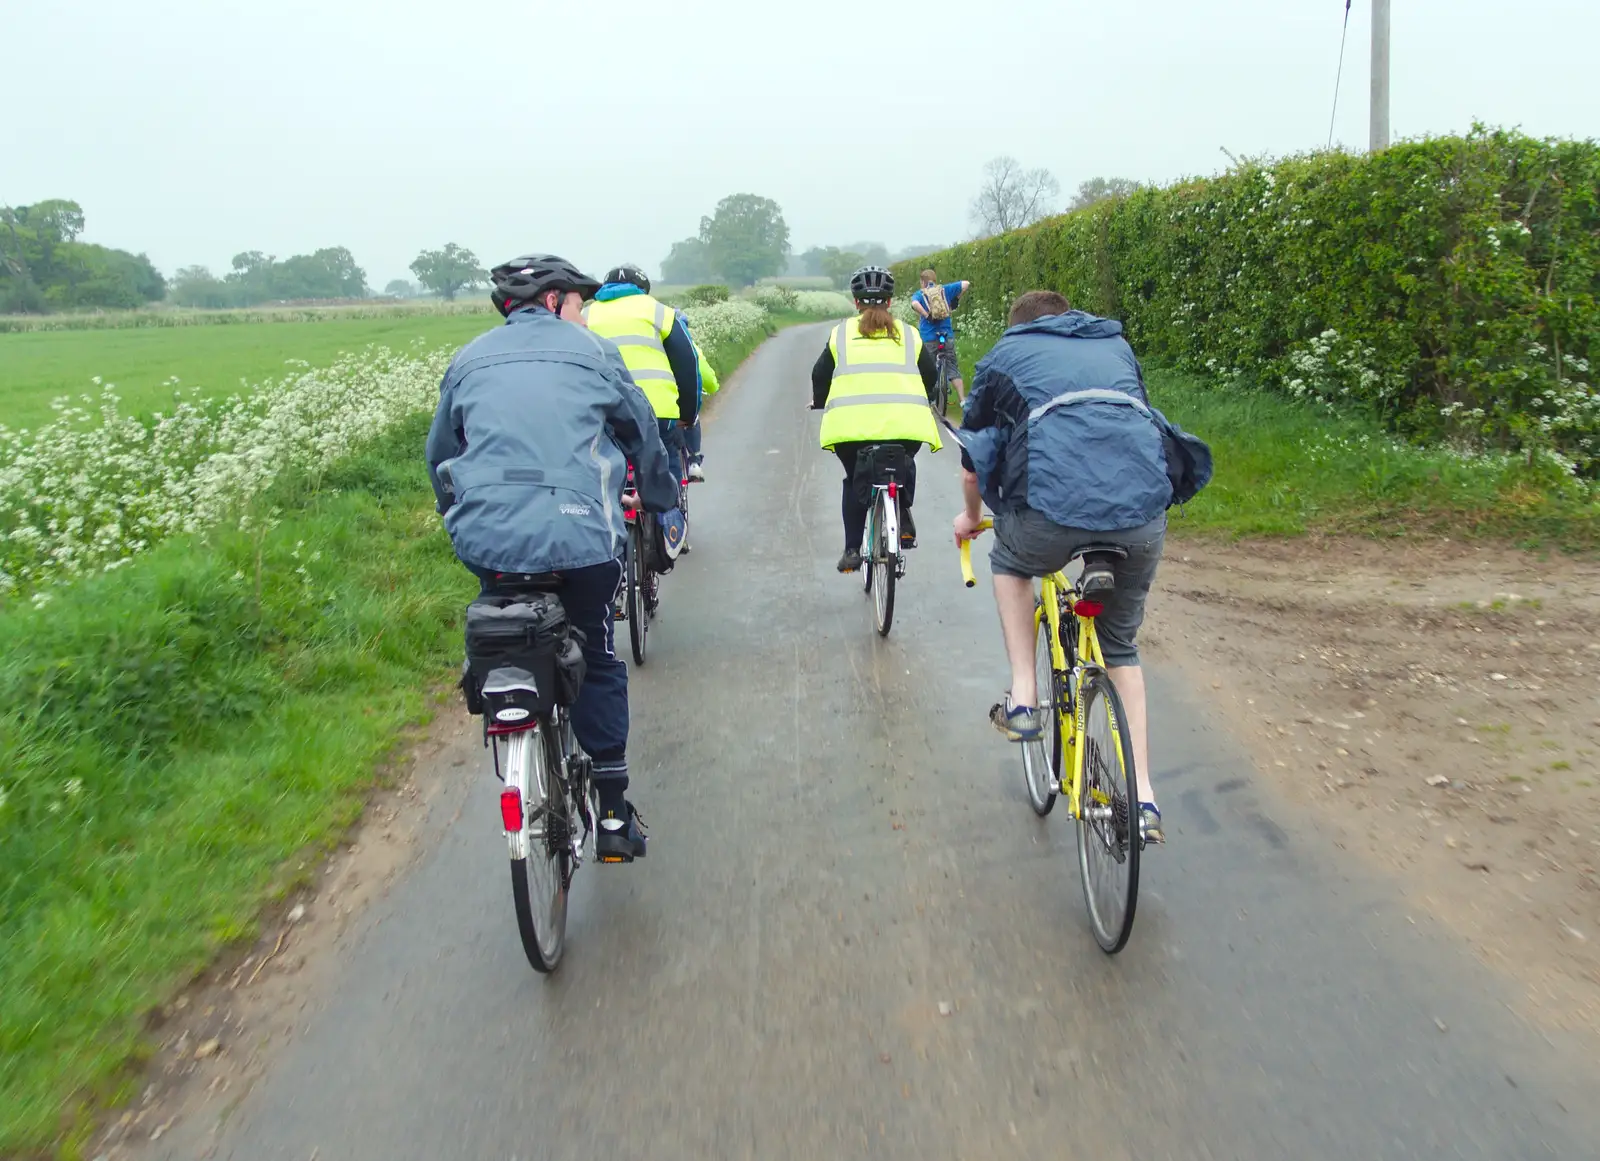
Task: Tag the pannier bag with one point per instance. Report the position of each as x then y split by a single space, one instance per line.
874 465
523 656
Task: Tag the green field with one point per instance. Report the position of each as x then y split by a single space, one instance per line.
37 367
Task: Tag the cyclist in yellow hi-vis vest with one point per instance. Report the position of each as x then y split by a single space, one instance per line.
873 382
656 347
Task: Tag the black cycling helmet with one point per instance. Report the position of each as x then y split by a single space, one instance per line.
872 284
526 279
630 274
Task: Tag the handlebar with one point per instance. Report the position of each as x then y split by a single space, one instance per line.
966 555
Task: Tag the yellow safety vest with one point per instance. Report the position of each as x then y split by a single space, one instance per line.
639 325
877 391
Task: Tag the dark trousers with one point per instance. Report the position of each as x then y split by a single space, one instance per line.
600 717
853 509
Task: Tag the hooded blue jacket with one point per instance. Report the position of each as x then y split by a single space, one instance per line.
529 447
1058 421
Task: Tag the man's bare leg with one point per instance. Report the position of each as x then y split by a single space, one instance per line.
1129 680
1013 596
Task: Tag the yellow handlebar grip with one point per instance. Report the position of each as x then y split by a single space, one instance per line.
966 556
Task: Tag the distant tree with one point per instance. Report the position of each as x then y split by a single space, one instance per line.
687 264
399 288
908 252
448 271
872 253
811 261
839 265
746 238
1098 189
1012 197
44 267
195 286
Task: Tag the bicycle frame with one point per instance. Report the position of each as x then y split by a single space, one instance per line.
1067 672
891 531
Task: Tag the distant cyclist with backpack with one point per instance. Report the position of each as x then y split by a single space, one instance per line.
934 304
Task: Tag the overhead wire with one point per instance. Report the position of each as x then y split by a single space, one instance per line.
1339 76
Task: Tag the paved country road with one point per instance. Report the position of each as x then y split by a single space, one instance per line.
840 845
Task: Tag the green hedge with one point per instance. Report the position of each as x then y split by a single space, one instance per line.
1453 285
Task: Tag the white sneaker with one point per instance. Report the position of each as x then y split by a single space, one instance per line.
697 473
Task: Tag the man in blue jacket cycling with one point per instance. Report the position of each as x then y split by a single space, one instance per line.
528 456
1065 448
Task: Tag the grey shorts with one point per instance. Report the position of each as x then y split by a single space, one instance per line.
946 359
1029 544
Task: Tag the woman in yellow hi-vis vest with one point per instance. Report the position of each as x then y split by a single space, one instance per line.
872 382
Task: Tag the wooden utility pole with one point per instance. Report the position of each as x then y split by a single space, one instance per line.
1380 75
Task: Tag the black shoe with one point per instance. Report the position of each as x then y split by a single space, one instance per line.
621 840
850 561
908 529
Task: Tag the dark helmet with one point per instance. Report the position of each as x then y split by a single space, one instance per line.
522 280
630 274
872 284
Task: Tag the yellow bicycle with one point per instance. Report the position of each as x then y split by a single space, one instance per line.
1083 722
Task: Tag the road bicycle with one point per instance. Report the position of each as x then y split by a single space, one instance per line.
1085 752
639 599
524 671
940 400
883 557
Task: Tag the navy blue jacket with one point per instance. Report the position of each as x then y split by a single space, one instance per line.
1058 421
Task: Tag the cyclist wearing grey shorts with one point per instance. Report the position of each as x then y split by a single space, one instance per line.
1059 439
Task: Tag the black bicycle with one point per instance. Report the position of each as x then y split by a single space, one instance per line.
940 399
524 670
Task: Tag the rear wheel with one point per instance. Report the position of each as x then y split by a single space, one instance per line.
539 880
941 392
1041 760
635 579
1108 823
882 569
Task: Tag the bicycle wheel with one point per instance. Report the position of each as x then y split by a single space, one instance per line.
941 393
883 565
539 879
1041 760
1108 815
635 578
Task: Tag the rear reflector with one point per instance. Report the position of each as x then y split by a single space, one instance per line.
894 490
511 809
1088 608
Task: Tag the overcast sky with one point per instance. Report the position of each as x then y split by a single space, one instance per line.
193 129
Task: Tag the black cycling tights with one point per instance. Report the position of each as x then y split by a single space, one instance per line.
853 510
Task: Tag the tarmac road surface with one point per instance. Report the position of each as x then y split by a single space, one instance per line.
841 846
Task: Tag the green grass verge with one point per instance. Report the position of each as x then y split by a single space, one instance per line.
1285 468
174 734
181 738
43 365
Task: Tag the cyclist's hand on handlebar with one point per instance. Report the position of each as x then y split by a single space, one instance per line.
966 528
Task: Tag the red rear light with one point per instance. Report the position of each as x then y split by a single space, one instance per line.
894 490
1088 608
511 809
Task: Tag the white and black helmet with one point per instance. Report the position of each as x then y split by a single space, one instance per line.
526 279
872 284
630 274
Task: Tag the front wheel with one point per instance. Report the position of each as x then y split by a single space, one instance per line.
1041 760
1108 815
539 878
634 578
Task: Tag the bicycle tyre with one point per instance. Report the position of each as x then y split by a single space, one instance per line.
1108 847
1041 760
634 569
883 566
941 391
539 882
